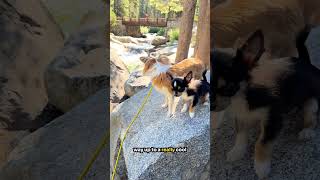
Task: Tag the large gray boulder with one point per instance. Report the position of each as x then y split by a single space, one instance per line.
119 73
118 29
25 30
62 148
79 70
8 141
29 39
123 39
159 40
135 83
154 129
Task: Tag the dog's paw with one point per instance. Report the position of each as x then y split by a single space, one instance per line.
206 103
262 168
191 114
171 115
235 154
184 108
164 105
306 134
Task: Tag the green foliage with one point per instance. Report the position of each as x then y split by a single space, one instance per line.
166 6
144 29
113 18
133 8
111 4
120 7
142 6
132 67
154 29
173 34
197 12
161 32
139 8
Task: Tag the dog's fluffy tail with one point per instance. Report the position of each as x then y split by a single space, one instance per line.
204 75
300 43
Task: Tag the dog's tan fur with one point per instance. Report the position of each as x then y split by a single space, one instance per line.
162 81
268 70
148 63
280 21
191 64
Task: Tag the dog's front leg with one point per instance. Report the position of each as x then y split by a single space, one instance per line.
174 105
170 105
241 142
262 158
310 119
270 128
192 105
185 106
165 104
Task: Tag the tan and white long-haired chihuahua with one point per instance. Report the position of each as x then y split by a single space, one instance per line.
160 70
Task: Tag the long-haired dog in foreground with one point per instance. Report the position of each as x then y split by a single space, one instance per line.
259 90
161 72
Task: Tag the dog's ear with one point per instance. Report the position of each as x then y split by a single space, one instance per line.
170 76
251 51
143 59
188 77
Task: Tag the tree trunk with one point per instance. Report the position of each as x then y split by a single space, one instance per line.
202 13
202 48
185 29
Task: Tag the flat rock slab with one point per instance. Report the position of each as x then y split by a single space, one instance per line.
291 159
154 129
62 148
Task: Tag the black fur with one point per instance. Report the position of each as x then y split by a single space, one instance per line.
258 96
182 85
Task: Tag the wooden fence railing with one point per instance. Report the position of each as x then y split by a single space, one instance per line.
155 22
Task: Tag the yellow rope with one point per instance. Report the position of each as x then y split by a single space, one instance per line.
95 155
125 134
105 139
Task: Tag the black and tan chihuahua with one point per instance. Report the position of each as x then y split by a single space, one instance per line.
191 91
